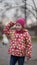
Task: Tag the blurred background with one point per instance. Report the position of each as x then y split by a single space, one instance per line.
10 10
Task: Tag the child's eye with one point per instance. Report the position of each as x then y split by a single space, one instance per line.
17 25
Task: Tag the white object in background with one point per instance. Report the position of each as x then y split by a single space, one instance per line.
5 39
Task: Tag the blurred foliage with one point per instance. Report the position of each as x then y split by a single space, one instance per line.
34 39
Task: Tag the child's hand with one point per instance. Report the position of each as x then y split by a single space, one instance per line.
27 59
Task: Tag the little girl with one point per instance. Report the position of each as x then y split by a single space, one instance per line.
20 42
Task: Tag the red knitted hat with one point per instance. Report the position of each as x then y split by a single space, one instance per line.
22 21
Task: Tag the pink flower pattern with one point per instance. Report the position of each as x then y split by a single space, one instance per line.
20 44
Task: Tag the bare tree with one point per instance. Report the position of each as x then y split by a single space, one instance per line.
29 8
24 8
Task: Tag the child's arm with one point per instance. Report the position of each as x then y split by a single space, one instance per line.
7 28
29 45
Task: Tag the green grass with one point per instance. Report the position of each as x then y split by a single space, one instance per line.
0 37
34 39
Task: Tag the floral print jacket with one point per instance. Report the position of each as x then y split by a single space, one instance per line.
20 44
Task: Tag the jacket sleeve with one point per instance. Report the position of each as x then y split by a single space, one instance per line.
28 45
6 30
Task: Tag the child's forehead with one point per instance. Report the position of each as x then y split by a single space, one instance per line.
18 24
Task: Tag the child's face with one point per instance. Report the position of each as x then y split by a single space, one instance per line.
18 26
